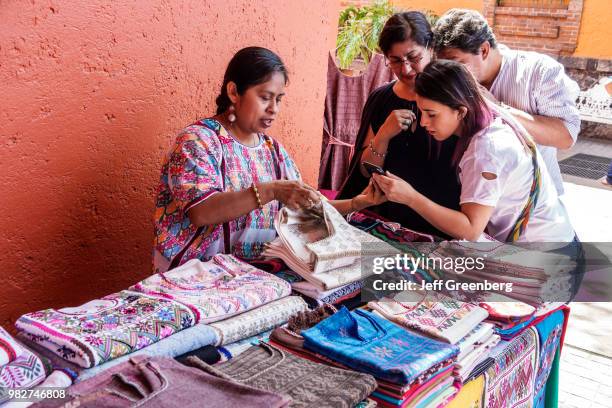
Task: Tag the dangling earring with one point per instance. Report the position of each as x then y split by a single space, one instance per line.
231 117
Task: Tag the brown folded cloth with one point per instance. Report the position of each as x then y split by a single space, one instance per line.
290 335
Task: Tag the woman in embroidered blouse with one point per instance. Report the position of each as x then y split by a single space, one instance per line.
224 180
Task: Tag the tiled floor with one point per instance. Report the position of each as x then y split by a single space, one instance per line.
586 366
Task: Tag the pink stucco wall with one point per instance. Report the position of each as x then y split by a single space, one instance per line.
92 95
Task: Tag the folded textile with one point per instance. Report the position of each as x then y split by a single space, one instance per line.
465 366
257 321
217 289
321 246
414 392
289 335
162 382
510 381
308 384
10 349
26 371
390 232
233 350
107 328
470 396
208 354
365 342
57 380
478 335
332 296
435 315
186 340
479 369
511 312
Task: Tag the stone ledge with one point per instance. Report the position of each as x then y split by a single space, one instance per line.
532 12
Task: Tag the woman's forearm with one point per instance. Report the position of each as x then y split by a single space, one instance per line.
226 206
454 223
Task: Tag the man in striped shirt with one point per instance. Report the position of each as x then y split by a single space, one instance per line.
533 85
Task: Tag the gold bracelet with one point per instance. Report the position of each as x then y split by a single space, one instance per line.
257 196
374 152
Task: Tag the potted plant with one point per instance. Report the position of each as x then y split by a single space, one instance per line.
358 32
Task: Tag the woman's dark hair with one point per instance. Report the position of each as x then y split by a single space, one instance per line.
249 67
411 25
451 84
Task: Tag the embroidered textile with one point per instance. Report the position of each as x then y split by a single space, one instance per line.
390 232
436 315
508 311
219 288
549 333
186 340
257 321
320 245
308 384
107 328
10 349
368 343
510 381
26 371
233 350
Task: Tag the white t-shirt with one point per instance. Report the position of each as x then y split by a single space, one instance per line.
498 150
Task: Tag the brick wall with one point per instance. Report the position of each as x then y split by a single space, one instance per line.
553 31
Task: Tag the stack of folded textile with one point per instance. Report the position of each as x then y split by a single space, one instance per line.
216 289
104 329
164 316
387 231
269 368
19 367
441 317
411 370
509 317
534 274
474 351
321 246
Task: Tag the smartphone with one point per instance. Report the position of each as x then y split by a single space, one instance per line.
372 168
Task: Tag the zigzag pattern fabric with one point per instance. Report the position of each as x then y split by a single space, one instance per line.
10 349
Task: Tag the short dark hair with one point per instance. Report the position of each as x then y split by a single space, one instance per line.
464 29
451 84
410 25
249 67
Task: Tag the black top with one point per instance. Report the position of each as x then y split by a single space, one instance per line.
415 157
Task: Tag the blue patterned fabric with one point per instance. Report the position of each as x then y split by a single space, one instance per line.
549 332
370 344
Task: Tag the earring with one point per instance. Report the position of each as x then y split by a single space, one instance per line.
231 117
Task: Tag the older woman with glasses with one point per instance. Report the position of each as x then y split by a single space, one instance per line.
390 135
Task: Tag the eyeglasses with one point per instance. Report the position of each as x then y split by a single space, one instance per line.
414 61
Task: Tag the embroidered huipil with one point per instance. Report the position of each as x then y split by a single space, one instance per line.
365 342
204 161
107 328
216 289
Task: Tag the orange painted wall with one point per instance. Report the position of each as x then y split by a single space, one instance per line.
439 7
595 35
92 96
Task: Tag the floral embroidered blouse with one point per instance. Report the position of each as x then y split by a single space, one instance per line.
206 160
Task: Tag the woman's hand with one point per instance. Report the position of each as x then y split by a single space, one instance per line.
295 194
397 121
371 195
396 189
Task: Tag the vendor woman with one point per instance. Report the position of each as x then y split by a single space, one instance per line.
224 179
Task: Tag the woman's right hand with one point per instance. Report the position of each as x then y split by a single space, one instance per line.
295 194
397 121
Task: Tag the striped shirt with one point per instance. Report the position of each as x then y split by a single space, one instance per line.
537 84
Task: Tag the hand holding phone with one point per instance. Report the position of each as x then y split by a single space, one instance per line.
372 168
